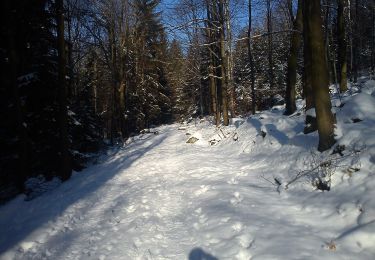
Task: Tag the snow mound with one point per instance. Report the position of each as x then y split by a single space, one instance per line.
361 106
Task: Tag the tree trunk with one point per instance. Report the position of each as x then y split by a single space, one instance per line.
310 122
229 55
341 39
295 43
211 70
270 43
23 147
65 160
319 76
355 44
251 61
223 65
373 39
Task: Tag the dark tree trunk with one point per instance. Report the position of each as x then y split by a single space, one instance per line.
65 160
355 43
295 43
319 76
251 61
23 143
341 39
373 38
212 75
310 122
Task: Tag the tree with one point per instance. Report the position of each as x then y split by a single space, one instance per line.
319 74
295 42
65 163
251 59
342 49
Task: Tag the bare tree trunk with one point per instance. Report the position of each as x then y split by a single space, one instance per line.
310 122
224 79
355 43
373 39
65 160
295 43
319 75
341 5
270 43
331 58
251 60
124 31
330 61
23 147
95 86
229 54
211 69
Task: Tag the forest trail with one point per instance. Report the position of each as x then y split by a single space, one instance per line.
161 198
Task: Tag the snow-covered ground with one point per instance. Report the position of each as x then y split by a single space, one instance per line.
159 197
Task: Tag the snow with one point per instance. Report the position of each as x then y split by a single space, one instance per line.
158 197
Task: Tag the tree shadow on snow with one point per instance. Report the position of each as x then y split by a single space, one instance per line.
198 254
19 219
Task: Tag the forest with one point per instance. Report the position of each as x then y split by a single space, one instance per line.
80 79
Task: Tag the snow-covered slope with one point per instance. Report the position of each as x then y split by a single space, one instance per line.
159 197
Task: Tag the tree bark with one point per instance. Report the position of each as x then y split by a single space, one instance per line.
310 122
65 160
23 147
211 70
295 43
342 48
251 60
270 43
319 76
224 79
355 44
229 61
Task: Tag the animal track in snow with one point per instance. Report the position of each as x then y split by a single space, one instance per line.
233 181
237 227
203 189
225 220
237 198
131 209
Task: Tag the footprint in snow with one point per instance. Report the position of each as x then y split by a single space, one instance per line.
131 209
233 181
237 198
225 220
245 241
237 227
203 189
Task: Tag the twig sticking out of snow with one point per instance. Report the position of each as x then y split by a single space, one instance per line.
324 169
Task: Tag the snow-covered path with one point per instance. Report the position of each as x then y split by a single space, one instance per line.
161 198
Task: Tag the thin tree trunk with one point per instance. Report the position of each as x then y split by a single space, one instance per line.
251 60
224 79
295 43
319 75
229 54
341 39
270 45
373 39
355 43
65 160
332 59
211 70
329 59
